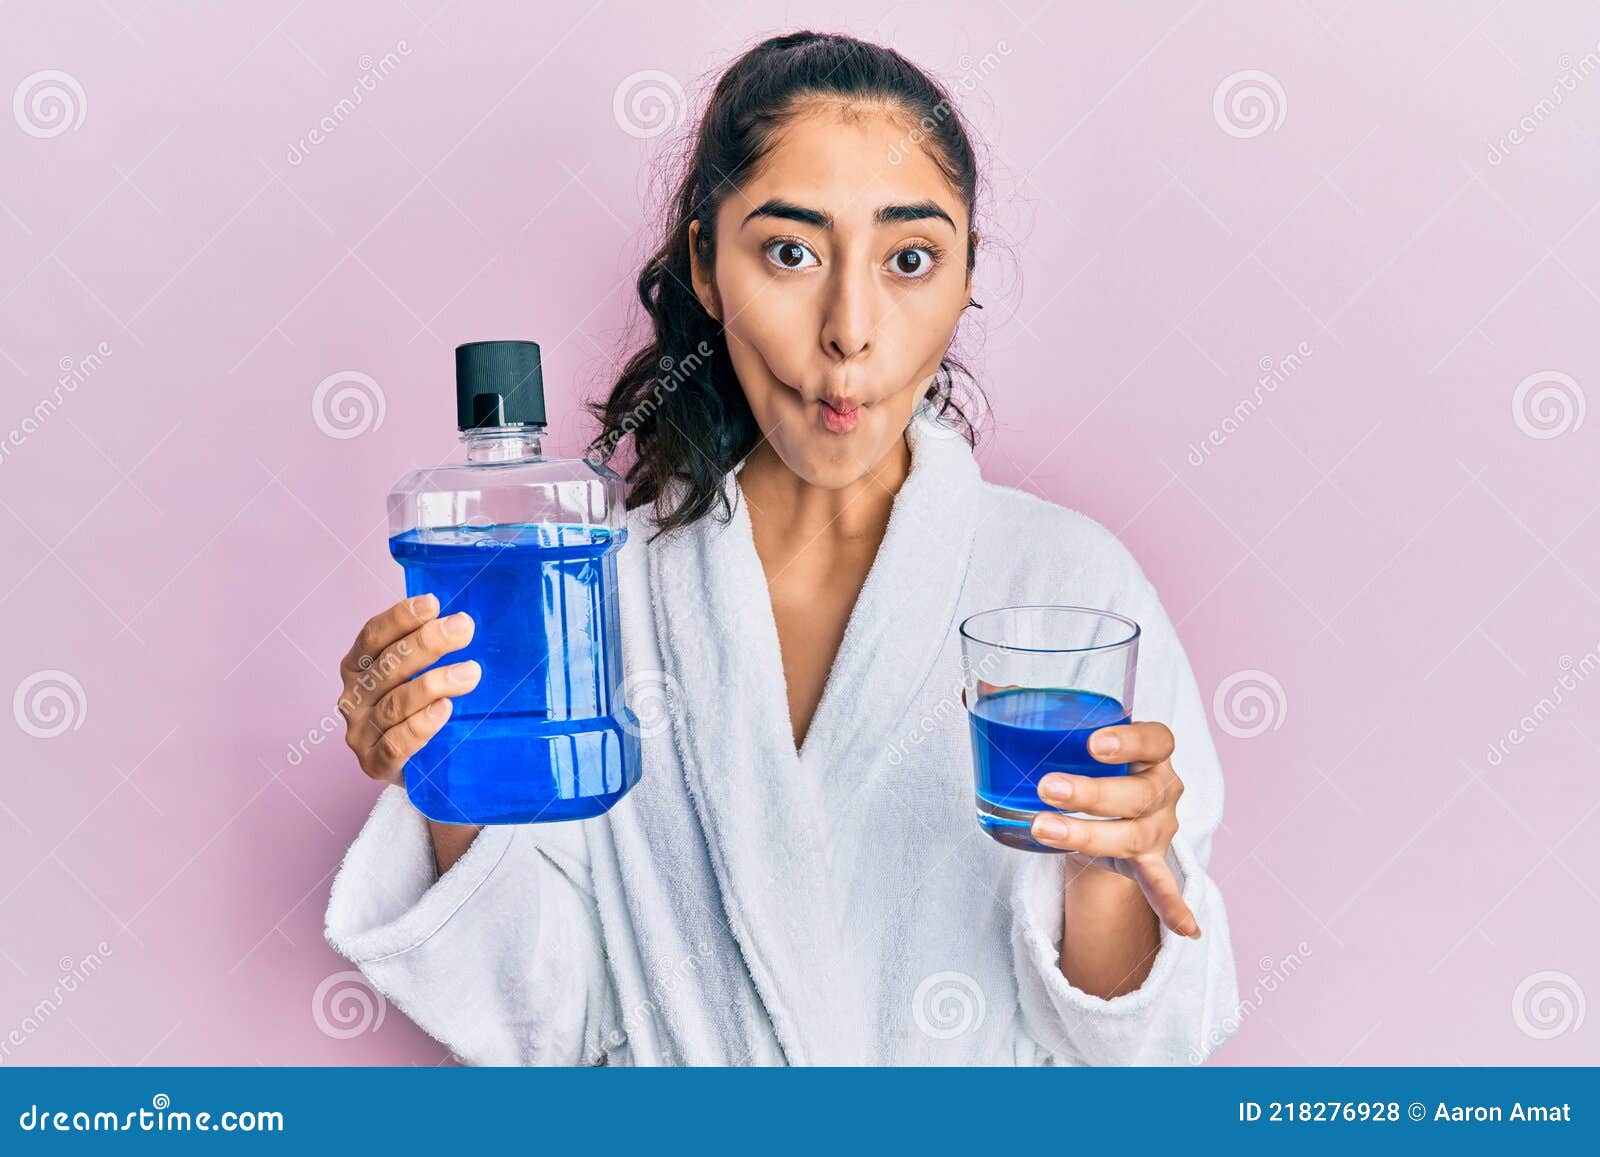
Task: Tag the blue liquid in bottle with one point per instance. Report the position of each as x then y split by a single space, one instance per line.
537 739
527 545
1022 734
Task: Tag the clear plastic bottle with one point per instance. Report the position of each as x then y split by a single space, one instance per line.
527 545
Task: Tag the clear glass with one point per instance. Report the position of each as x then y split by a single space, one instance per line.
1038 681
527 545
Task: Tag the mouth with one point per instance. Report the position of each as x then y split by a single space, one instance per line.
839 415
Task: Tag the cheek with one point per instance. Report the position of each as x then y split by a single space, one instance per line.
918 329
773 328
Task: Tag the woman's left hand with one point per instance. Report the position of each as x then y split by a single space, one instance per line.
1145 802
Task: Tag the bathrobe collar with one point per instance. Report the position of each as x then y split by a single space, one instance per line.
785 884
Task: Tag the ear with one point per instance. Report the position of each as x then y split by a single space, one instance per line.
705 285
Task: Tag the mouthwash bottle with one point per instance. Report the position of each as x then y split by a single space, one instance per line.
527 545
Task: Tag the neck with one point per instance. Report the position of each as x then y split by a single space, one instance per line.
784 504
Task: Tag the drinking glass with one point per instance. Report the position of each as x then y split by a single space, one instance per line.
1037 682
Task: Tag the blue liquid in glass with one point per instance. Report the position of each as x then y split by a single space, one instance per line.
1020 735
541 737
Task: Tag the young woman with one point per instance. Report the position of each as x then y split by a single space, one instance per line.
798 878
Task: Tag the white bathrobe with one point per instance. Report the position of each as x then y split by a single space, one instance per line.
750 904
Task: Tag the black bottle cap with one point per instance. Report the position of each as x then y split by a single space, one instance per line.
499 383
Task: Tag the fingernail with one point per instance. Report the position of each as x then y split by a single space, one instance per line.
464 673
1195 935
1049 827
424 605
458 625
439 709
1056 789
1105 744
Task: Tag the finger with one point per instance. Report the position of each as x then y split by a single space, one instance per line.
1124 838
386 627
1132 743
402 659
1165 898
984 690
387 759
1119 796
410 697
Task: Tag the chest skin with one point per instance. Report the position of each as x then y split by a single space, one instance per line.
813 588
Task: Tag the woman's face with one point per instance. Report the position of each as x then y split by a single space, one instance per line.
840 274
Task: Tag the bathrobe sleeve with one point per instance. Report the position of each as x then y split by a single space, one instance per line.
500 959
1188 1004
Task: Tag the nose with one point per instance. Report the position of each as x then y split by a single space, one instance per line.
849 317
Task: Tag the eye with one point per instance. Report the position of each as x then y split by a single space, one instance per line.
787 253
916 261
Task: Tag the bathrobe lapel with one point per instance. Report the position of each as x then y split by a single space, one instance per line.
778 823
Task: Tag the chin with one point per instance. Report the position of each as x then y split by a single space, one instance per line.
831 462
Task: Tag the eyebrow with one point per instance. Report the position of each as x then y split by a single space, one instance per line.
884 215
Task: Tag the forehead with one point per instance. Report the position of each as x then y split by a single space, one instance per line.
848 165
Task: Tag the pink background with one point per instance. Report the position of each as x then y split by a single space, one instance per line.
1395 548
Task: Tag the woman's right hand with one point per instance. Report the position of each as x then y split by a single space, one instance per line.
388 713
